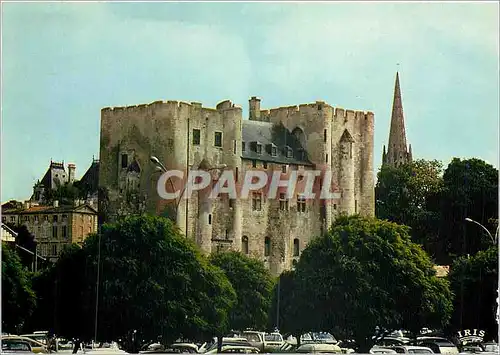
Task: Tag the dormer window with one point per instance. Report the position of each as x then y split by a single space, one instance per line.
289 152
272 149
258 148
301 154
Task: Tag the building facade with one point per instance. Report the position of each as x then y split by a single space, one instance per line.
398 151
53 226
186 136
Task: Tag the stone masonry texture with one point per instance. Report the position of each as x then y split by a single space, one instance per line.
184 135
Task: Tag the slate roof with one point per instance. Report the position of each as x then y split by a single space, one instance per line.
267 133
50 180
91 177
47 209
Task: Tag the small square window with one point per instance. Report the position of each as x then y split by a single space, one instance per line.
301 203
283 202
274 151
196 137
218 139
256 201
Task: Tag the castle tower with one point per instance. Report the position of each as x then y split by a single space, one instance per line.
346 173
397 150
71 173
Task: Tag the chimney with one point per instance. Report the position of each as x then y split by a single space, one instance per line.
27 205
254 109
56 203
71 173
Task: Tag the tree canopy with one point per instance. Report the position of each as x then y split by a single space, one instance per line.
435 204
18 298
474 281
151 278
253 285
409 195
366 273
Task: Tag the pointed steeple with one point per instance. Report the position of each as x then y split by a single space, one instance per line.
397 149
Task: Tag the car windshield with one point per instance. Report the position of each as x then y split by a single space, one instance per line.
252 337
420 351
13 345
273 337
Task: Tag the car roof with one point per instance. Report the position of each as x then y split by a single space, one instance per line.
20 337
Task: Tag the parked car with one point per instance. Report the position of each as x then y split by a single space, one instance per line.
16 346
318 348
392 341
272 341
36 346
438 344
382 350
238 349
40 336
255 338
412 349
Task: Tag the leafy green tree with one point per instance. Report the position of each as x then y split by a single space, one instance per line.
284 312
18 298
470 191
155 280
366 273
66 296
65 194
474 281
26 240
253 285
410 195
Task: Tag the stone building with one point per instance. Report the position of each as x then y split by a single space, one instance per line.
53 226
57 176
187 136
398 152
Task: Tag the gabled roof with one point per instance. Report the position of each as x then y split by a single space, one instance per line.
268 133
91 177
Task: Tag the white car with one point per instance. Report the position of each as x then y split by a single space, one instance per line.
382 350
235 349
410 349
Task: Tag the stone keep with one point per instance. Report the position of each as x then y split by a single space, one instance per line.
185 135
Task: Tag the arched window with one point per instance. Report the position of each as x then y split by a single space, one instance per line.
244 244
296 247
267 246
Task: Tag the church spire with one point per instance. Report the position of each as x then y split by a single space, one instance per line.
397 150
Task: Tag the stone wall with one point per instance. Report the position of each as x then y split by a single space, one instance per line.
166 130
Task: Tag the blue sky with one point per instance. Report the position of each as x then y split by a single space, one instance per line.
63 62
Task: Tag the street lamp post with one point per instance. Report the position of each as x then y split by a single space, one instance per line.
494 241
